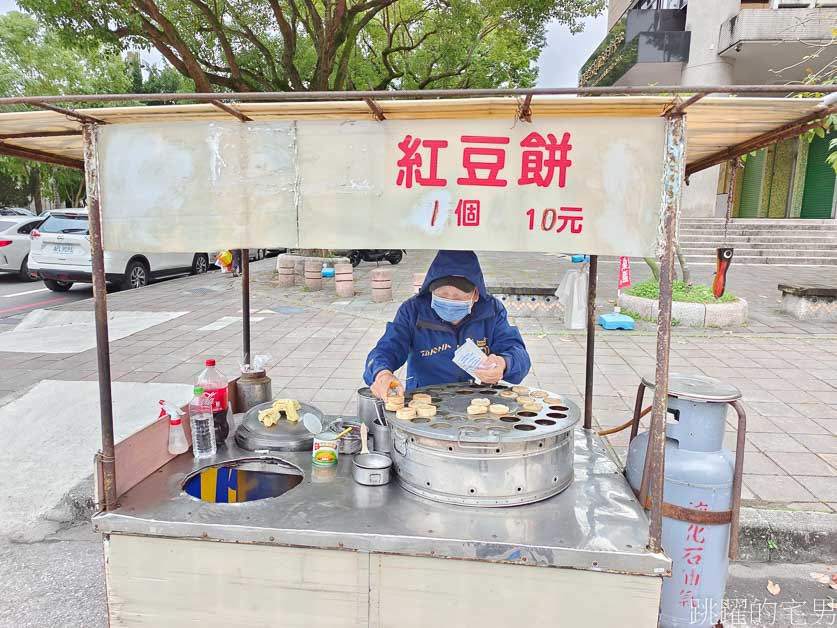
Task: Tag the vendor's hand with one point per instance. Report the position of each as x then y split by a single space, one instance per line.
492 369
381 386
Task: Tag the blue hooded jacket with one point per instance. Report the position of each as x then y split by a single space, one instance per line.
421 338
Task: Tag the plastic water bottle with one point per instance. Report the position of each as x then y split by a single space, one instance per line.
203 428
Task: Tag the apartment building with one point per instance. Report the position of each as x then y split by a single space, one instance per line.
731 42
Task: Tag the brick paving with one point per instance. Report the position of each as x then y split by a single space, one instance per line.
786 370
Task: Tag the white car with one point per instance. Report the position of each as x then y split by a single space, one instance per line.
14 244
61 256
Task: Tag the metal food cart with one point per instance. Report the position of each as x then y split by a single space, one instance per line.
328 549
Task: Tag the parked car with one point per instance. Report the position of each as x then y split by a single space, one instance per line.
15 211
60 255
15 243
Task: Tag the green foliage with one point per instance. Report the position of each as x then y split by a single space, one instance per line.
286 45
13 193
35 61
681 292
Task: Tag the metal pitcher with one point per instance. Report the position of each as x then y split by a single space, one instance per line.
252 389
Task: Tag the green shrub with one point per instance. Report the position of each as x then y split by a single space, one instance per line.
698 293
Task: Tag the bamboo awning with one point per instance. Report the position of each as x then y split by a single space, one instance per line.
719 128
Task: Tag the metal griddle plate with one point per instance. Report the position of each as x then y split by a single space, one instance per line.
252 435
452 421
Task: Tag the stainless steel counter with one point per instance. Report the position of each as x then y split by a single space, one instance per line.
595 524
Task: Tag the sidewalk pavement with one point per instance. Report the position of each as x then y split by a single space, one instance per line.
787 371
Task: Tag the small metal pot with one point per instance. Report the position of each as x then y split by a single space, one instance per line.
381 437
371 469
349 443
366 406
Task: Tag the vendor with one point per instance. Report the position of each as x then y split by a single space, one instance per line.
452 306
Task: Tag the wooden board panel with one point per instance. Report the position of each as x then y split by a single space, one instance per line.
411 592
169 583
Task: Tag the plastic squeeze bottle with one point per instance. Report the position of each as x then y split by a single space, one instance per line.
177 437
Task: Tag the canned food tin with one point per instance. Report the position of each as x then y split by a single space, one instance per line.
325 449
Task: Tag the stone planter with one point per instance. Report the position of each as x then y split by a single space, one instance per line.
732 314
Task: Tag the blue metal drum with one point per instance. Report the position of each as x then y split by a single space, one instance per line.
699 475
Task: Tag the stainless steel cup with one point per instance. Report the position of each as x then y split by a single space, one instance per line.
381 437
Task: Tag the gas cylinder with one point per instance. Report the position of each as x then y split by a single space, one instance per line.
698 477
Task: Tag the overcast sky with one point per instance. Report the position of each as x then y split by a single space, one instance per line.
559 61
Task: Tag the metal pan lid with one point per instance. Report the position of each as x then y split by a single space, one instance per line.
697 388
252 435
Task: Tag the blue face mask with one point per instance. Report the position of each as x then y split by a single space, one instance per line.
450 310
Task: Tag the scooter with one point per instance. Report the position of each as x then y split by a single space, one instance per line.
393 256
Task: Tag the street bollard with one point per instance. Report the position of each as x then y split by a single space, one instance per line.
285 268
382 285
344 282
313 274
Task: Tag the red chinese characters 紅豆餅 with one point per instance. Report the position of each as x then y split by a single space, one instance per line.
544 162
483 160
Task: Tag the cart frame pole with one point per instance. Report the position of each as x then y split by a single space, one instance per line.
245 304
673 175
108 457
592 284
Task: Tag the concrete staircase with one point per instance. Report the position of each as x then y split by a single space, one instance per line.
761 241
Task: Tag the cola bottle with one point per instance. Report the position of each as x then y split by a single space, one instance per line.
214 384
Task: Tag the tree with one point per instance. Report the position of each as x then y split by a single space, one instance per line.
303 45
35 61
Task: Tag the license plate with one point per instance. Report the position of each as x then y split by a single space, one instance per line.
62 249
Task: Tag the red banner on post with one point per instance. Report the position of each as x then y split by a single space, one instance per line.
624 273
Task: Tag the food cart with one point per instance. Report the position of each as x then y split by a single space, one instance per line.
513 170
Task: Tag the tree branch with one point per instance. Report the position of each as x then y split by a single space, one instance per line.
235 71
195 72
288 44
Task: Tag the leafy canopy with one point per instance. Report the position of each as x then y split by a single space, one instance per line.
299 45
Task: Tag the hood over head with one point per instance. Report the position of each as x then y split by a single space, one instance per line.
456 263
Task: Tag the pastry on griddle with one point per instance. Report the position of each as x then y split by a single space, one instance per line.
498 408
406 414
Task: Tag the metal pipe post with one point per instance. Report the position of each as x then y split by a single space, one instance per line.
673 174
245 303
591 341
108 458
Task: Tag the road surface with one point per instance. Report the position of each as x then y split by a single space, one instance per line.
17 297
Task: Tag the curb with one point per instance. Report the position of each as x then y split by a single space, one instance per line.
787 536
733 314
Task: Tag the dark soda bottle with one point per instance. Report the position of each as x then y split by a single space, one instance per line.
214 384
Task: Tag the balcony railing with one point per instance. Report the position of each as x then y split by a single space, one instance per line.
643 36
778 25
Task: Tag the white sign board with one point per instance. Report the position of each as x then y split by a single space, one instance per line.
587 185
197 186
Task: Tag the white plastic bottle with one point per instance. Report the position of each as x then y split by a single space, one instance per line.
203 428
177 437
